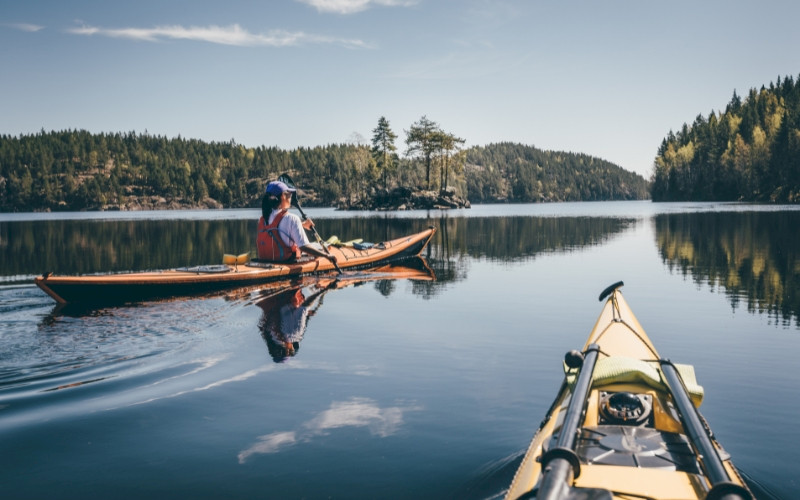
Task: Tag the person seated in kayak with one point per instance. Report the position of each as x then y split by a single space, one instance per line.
282 235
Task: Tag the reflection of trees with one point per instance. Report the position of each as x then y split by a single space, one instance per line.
458 239
507 239
515 239
75 247
752 255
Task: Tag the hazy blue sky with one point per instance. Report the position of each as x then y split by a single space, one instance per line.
605 78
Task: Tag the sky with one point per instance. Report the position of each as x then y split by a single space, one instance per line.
605 78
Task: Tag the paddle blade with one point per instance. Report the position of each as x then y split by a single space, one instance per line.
284 178
233 260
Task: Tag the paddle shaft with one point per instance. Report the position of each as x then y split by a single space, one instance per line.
288 181
722 486
317 236
560 464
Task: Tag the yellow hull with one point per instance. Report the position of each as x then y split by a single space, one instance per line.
632 440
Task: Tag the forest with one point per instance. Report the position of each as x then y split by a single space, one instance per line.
73 170
524 174
749 152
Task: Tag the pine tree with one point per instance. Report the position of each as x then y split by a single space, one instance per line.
383 148
421 141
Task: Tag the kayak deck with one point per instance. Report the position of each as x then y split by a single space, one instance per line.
624 425
137 286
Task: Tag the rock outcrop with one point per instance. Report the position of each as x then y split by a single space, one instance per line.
404 198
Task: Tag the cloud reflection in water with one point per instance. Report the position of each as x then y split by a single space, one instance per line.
356 412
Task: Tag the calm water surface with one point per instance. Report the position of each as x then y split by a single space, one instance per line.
395 388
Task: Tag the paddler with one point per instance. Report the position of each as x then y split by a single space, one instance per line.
281 234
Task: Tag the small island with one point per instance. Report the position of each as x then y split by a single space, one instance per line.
404 198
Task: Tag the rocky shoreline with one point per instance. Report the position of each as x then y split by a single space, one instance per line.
161 203
403 198
400 198
140 203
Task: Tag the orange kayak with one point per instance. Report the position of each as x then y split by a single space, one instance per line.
233 273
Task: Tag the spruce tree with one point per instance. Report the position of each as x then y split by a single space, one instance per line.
383 148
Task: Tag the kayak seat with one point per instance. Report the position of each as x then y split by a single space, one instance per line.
621 369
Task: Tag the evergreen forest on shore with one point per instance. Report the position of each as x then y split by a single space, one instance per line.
75 170
749 152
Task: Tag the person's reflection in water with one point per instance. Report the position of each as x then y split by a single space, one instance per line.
283 320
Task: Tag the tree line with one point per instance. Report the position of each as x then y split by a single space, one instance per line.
79 170
524 174
749 152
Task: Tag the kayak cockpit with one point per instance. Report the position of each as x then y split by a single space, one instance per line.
625 425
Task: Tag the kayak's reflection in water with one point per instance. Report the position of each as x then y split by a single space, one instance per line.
286 310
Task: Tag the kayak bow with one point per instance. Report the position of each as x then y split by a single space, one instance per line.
625 425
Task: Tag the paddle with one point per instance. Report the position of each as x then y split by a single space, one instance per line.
284 178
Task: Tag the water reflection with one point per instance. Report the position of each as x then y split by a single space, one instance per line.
752 256
519 239
287 307
283 321
355 412
30 248
78 247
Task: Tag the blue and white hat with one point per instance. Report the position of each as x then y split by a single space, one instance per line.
277 188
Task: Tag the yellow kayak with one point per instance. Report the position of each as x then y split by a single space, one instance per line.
625 425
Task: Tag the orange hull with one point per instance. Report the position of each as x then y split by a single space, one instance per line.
131 287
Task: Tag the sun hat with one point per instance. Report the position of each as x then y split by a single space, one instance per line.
277 188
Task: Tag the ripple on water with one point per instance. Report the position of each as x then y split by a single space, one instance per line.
58 361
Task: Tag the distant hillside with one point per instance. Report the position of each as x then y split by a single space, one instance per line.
507 172
78 170
749 152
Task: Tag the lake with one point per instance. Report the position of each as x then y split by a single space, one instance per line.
394 388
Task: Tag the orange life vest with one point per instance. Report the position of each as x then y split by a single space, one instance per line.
270 244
